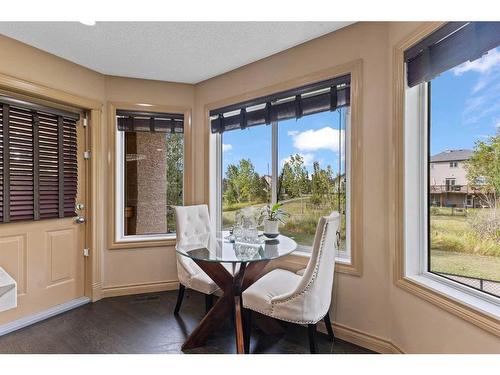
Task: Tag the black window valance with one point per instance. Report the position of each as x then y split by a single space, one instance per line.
134 121
306 100
449 46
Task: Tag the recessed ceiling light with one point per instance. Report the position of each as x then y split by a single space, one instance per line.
88 23
145 105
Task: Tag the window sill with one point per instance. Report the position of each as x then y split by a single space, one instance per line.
137 243
342 265
474 309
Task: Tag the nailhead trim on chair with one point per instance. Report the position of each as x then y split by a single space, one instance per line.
315 273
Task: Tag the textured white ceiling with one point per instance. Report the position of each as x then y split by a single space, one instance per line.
187 52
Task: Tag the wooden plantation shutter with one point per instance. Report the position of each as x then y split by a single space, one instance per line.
70 167
20 146
2 168
38 166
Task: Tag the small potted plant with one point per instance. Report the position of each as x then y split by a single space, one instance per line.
273 215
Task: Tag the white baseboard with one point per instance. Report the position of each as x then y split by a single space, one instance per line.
42 315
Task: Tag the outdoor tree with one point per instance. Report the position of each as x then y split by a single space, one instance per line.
174 171
243 184
483 172
483 168
295 178
321 182
339 190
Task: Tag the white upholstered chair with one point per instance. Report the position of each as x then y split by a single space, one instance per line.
300 299
192 221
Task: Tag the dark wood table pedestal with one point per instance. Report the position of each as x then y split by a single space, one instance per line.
229 303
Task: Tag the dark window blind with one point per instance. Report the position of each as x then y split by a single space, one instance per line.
38 162
306 100
449 46
134 121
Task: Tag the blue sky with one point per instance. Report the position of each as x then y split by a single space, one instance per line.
465 104
465 107
314 137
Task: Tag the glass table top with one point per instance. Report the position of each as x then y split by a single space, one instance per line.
222 247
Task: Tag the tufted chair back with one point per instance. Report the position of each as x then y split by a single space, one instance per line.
190 221
310 301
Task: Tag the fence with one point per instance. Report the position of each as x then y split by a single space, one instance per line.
489 286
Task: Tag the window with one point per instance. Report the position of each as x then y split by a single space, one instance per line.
38 161
450 184
312 174
463 242
300 161
247 175
451 234
149 166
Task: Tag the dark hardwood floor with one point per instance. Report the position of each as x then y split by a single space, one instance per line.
146 324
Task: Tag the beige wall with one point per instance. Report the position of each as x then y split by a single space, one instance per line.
368 42
370 303
136 267
416 325
131 267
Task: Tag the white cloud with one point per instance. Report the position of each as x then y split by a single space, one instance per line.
478 108
293 133
325 138
226 147
308 159
481 65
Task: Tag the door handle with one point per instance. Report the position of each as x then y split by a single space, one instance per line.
79 220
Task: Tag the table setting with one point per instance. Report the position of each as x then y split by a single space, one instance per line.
248 249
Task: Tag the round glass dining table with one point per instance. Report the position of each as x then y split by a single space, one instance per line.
209 251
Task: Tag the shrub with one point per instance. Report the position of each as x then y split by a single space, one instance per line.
485 224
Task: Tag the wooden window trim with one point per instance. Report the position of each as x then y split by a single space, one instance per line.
396 191
113 244
355 69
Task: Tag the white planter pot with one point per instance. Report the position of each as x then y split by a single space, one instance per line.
271 226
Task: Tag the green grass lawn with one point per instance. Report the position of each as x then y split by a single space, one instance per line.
456 249
301 224
483 267
454 233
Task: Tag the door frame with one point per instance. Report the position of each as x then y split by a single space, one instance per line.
93 171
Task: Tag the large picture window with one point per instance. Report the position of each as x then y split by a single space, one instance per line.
290 148
452 143
150 165
463 207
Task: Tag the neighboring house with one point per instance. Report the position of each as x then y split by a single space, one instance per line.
448 181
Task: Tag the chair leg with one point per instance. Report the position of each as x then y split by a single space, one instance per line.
329 327
209 302
248 329
312 337
180 296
